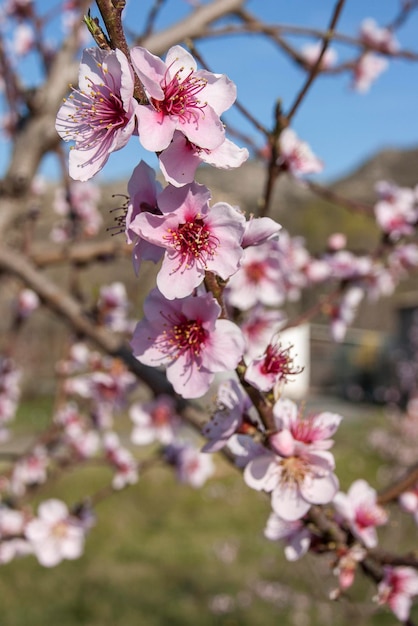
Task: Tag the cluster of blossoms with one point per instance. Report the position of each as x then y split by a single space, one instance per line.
10 377
396 211
310 54
221 277
78 208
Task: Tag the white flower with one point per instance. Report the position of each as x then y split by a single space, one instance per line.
55 535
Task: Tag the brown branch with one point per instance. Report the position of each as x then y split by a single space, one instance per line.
111 12
332 196
194 25
72 312
81 253
392 493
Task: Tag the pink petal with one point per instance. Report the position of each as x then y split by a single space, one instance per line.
288 503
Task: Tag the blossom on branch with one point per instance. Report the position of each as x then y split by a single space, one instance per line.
294 534
187 337
367 69
310 53
180 98
55 534
360 510
397 588
296 155
298 468
99 115
274 366
380 39
197 238
154 421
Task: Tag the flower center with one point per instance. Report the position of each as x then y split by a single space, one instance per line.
99 112
278 361
188 337
60 529
255 271
180 97
193 243
294 470
161 416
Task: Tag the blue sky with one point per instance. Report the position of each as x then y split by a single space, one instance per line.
342 126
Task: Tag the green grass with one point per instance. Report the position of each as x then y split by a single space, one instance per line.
164 554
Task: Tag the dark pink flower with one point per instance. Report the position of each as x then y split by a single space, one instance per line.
180 98
99 115
397 588
188 338
196 238
274 366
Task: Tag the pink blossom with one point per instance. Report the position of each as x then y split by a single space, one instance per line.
311 52
345 567
274 366
12 541
343 314
294 260
10 391
82 440
30 470
23 39
79 207
112 307
197 238
402 259
179 161
143 190
409 502
244 449
380 39
294 534
367 69
397 588
154 421
258 279
396 211
99 116
106 389
180 98
27 303
232 405
296 156
258 230
298 469
192 467
336 241
187 336
122 460
258 328
360 510
55 534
